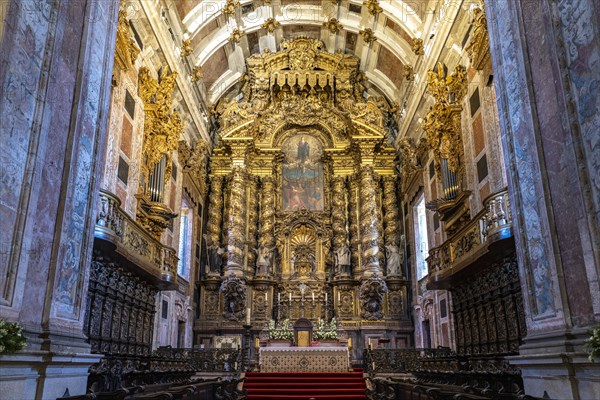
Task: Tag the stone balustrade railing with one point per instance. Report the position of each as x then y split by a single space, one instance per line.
493 223
133 242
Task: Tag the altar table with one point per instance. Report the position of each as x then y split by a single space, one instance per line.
304 359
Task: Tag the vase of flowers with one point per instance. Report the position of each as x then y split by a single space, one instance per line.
280 335
11 337
326 333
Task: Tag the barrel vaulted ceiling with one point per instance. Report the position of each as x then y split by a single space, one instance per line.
384 34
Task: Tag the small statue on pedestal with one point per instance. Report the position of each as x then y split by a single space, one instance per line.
342 260
263 263
215 256
394 260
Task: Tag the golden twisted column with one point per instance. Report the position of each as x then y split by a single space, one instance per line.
236 218
215 209
338 212
380 240
390 211
353 222
267 212
252 222
369 224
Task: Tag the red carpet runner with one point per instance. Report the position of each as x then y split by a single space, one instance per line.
304 386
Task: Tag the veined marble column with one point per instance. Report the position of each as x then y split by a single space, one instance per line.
369 224
215 209
353 223
338 212
252 223
236 217
267 212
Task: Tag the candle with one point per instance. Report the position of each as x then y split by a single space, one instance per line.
325 297
248 316
373 365
266 297
338 297
278 297
290 297
313 296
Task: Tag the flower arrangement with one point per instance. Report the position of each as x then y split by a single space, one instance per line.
11 337
593 344
326 330
281 331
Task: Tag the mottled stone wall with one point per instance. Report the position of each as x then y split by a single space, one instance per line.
546 56
56 61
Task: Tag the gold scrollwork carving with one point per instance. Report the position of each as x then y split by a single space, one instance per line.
126 50
478 48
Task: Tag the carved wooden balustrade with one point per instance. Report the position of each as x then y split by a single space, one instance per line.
490 373
474 240
164 365
131 242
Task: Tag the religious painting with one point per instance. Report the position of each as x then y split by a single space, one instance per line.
302 183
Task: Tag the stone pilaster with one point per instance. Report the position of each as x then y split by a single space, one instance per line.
544 55
57 62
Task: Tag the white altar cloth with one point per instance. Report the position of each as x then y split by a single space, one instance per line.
304 359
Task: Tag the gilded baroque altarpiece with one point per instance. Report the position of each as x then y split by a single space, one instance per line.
303 196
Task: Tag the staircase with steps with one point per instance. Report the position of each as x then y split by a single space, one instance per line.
305 386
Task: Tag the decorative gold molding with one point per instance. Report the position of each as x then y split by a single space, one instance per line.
373 7
186 48
270 24
368 35
479 44
236 35
417 46
443 123
162 125
196 74
126 50
409 73
333 25
230 7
